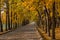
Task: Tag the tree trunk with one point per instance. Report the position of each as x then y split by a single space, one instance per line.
48 25
7 15
54 22
11 17
1 27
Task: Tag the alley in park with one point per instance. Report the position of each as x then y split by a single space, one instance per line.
27 32
29 19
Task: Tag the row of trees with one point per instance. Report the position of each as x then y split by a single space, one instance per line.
49 16
16 12
10 19
44 12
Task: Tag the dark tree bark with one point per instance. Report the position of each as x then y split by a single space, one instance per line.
39 20
11 17
48 27
39 15
1 24
45 21
7 15
11 13
54 22
1 27
16 20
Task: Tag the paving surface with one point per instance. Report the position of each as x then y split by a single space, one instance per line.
28 32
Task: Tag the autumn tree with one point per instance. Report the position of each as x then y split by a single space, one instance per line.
7 15
1 27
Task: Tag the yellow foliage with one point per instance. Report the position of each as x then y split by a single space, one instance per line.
24 4
26 7
3 17
51 14
32 8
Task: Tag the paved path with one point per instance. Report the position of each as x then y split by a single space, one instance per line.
28 32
